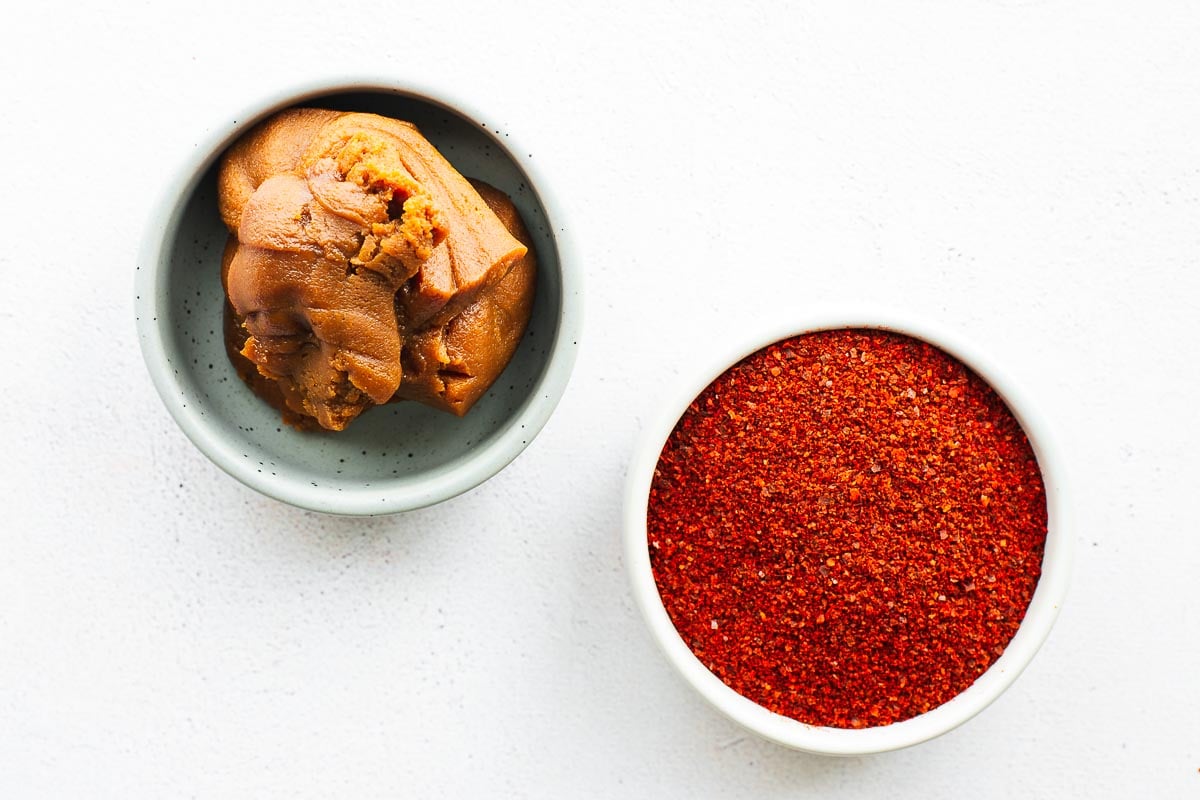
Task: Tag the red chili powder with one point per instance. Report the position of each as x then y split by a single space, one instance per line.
846 527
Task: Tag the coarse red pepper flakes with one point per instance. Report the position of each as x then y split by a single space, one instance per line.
846 527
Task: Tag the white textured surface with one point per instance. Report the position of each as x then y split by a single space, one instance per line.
1027 172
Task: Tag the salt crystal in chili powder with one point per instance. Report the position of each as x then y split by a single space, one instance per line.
847 527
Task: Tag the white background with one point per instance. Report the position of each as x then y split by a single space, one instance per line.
1025 173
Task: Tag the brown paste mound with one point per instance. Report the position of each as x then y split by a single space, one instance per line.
362 269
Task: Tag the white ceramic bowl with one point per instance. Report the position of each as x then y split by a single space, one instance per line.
396 457
1039 618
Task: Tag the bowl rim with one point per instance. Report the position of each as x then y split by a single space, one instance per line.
1032 633
405 493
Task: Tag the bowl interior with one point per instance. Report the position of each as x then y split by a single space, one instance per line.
393 457
1035 627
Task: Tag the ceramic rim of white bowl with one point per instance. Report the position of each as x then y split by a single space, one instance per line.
1039 617
438 484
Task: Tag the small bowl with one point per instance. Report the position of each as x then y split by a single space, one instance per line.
396 457
1034 628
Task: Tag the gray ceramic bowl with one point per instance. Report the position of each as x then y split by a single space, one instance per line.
396 457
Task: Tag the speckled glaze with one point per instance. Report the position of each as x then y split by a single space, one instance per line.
395 457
